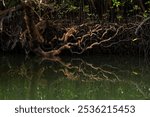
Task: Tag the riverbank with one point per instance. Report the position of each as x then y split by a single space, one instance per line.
23 31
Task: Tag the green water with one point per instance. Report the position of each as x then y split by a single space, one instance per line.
95 77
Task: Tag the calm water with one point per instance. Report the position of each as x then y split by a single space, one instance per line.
93 77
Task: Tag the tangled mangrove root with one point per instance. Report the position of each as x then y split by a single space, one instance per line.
48 38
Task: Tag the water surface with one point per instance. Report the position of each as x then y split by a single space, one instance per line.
94 77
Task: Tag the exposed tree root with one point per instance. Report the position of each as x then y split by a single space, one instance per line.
46 38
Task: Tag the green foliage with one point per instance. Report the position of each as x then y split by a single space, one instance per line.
86 8
116 3
71 8
146 14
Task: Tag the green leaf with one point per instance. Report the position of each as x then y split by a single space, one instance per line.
135 73
135 39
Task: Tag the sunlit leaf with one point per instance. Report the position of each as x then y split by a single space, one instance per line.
135 39
135 73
